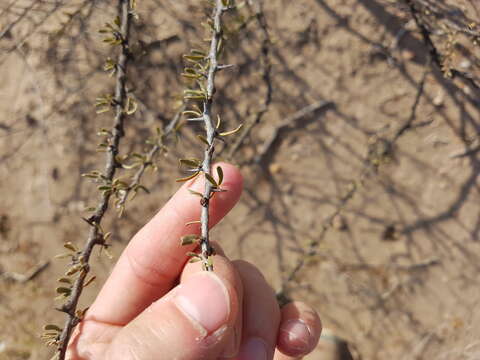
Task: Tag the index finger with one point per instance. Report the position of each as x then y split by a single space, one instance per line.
153 260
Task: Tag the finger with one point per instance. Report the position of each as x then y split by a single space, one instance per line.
261 314
92 338
234 338
151 263
193 321
279 356
299 331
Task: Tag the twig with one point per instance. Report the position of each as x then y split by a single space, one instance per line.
149 159
213 68
95 236
29 275
266 76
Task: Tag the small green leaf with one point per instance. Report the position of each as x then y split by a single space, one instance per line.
193 192
65 280
131 166
63 290
192 113
52 327
189 239
190 76
211 180
63 256
194 58
203 139
131 106
220 175
195 97
103 110
231 132
74 269
188 177
198 52
193 255
210 261
70 246
191 163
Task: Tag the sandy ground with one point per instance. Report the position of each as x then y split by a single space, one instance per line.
395 272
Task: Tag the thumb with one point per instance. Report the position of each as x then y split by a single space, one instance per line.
191 322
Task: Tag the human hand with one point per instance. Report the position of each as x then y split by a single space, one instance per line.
156 305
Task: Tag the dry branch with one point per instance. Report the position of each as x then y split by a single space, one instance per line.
96 236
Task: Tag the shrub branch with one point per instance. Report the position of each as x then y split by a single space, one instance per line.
96 235
210 130
158 147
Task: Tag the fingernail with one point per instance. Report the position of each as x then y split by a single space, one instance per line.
253 349
296 335
204 299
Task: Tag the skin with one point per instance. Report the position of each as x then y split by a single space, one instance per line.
143 311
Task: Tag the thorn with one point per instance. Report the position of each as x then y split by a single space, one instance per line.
89 221
195 119
226 66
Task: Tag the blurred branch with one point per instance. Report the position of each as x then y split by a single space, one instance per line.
378 150
266 76
149 159
29 275
435 55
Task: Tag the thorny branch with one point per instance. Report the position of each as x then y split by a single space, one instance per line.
96 236
213 68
